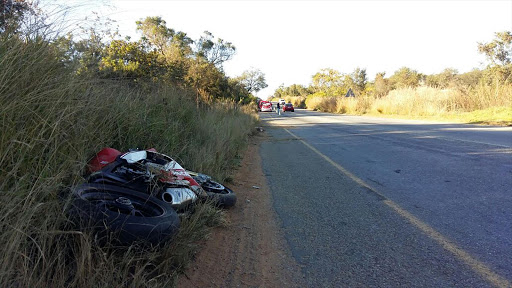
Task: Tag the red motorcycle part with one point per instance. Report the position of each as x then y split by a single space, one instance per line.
102 158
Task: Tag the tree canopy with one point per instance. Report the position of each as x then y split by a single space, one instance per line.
253 80
215 52
498 51
12 12
162 55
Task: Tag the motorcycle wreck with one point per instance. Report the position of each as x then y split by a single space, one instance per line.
140 196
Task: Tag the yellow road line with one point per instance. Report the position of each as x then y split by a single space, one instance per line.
448 245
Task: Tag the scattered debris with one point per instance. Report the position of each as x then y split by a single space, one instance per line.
256 187
260 129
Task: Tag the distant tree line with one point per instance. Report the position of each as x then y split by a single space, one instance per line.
332 83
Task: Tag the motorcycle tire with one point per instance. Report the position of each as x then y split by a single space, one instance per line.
121 215
224 199
212 186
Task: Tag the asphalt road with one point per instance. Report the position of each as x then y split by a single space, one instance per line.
371 202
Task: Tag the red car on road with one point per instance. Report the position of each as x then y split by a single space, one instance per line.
265 106
288 107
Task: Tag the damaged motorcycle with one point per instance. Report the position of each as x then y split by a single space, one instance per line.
120 185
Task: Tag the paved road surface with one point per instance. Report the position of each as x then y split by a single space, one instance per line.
370 202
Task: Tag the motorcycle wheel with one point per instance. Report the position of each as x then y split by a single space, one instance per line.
121 215
212 186
224 199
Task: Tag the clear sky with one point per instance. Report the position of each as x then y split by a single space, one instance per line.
290 40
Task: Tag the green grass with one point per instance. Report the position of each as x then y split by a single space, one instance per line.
501 116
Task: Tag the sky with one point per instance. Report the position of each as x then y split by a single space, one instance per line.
290 41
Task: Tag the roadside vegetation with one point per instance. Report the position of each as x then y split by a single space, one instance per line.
478 96
62 99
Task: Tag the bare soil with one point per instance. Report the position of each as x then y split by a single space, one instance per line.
251 251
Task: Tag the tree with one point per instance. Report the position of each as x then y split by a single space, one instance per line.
12 13
215 52
253 80
126 59
445 79
297 90
155 32
329 82
173 47
294 90
405 77
179 47
498 51
381 85
326 79
279 92
89 53
206 79
471 78
360 80
237 92
169 43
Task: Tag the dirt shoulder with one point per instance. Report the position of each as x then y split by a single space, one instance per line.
251 251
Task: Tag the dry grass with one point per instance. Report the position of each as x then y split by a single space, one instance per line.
51 123
325 104
353 105
416 101
487 104
342 105
482 104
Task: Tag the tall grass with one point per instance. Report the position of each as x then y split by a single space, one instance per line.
321 103
425 101
487 96
343 105
352 105
416 101
51 123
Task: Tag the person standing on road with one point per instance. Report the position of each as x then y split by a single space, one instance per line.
278 109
